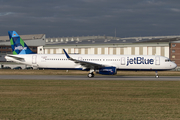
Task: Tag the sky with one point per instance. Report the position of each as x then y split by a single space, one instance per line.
67 18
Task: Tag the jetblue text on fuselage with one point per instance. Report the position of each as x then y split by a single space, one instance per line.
139 60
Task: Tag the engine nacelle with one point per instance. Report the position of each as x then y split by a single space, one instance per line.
107 71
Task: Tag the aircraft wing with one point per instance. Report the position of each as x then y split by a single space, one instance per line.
85 64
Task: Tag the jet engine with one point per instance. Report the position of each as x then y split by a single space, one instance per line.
107 71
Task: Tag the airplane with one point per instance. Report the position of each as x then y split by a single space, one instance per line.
101 64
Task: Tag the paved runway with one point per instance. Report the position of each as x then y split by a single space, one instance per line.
84 77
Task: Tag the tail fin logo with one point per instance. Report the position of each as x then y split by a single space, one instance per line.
20 48
18 45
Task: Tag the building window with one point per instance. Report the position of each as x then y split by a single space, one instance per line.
173 56
173 51
173 45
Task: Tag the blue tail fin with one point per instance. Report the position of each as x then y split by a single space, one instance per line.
17 44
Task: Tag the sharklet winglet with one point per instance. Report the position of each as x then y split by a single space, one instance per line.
66 54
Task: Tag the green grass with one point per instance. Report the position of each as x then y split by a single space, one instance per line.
74 72
69 99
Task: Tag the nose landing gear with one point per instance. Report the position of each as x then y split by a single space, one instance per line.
156 74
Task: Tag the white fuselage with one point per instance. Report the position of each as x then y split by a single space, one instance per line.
121 62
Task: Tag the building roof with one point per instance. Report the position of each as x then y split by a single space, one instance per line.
102 40
24 37
162 40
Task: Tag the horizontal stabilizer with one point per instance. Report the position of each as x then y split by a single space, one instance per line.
16 58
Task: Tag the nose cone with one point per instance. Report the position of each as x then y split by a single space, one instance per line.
173 65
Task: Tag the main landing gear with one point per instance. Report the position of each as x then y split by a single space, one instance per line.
91 74
157 76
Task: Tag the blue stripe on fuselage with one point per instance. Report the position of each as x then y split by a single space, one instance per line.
117 69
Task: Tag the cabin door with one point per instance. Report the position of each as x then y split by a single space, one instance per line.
123 61
34 59
157 60
79 58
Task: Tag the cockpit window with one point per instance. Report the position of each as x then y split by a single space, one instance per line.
167 60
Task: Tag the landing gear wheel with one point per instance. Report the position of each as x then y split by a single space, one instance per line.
156 76
90 75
